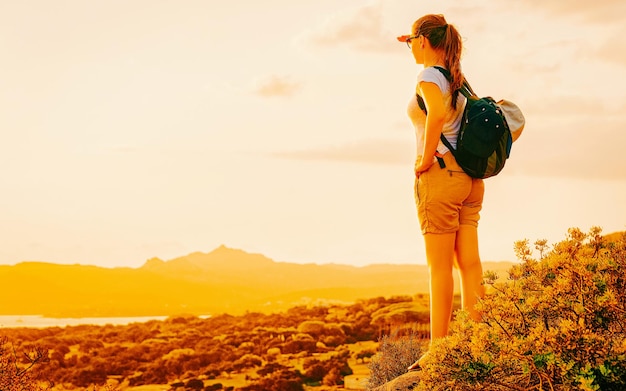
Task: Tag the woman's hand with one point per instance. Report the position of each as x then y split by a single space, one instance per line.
423 166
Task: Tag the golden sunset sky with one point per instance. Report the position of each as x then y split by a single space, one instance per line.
138 129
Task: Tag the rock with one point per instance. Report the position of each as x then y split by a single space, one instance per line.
406 382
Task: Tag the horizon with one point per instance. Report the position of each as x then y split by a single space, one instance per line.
158 129
225 280
237 249
222 246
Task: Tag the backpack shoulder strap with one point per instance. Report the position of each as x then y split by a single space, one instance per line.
465 89
422 105
445 142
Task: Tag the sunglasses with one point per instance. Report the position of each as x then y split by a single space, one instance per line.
407 39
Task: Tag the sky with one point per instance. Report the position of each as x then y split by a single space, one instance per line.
140 129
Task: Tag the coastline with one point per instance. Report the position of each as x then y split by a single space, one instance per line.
41 321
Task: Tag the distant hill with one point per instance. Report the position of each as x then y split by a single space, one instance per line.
224 280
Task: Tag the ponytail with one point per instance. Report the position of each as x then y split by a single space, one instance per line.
445 37
453 48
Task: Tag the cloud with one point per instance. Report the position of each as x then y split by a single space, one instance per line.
277 86
560 145
360 28
613 49
605 11
552 164
607 18
569 106
572 146
379 151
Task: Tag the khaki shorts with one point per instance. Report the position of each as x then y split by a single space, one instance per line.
447 198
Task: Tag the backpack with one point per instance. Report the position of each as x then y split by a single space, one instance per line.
485 138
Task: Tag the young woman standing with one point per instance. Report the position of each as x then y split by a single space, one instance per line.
448 200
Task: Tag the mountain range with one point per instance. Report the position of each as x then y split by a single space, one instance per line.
224 280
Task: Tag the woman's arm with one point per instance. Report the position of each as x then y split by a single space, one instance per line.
433 98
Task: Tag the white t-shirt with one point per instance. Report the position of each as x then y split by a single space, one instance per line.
453 118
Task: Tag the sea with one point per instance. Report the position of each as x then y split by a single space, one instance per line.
39 321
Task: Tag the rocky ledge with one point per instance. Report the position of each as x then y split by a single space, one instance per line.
406 382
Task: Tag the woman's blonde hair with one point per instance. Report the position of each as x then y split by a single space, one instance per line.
444 36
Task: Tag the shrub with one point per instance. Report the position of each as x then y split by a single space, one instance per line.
333 378
16 375
247 361
395 353
298 346
558 323
312 327
314 371
284 380
195 384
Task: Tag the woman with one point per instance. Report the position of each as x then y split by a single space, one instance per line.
448 200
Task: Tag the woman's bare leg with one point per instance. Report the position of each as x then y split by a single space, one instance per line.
470 268
440 258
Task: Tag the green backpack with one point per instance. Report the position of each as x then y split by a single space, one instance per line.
484 140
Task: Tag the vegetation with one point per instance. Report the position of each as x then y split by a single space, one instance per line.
396 353
304 346
558 323
15 371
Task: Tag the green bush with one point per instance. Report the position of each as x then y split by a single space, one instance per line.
558 323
